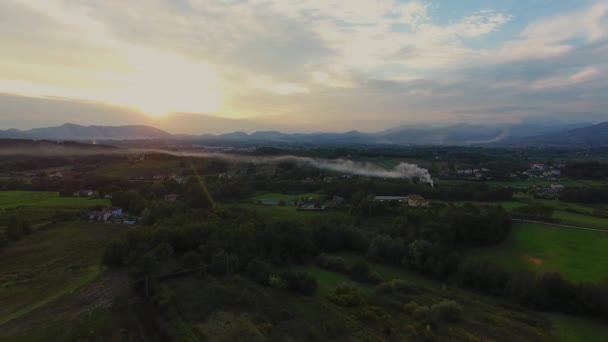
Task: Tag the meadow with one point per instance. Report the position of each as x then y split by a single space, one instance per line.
44 266
14 199
580 256
275 196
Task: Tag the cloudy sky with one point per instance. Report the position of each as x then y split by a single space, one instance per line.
211 66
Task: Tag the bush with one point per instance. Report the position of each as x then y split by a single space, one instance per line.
259 270
410 307
421 313
332 263
223 263
191 260
447 310
360 270
394 286
163 251
3 239
346 295
300 282
115 254
13 232
277 282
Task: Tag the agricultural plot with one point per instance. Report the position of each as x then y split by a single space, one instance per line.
580 256
573 329
14 199
273 196
283 213
42 267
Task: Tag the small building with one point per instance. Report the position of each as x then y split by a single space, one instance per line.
417 201
115 211
337 200
400 199
171 197
105 214
85 193
100 215
312 207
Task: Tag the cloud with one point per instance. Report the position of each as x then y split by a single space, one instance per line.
579 77
301 63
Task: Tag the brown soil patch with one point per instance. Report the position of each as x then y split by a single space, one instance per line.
535 261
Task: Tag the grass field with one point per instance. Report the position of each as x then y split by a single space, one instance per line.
275 196
576 219
578 255
13 199
147 168
284 213
573 329
50 263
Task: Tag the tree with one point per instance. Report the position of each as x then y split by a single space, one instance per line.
223 263
144 270
115 253
360 270
163 251
191 260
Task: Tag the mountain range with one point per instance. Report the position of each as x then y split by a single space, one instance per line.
525 133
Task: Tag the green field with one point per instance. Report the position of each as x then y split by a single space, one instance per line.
50 263
275 196
574 329
284 213
578 255
581 220
14 199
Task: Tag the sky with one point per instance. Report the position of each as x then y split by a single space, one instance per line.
212 66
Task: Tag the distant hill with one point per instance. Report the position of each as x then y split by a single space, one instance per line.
592 136
527 132
20 147
77 132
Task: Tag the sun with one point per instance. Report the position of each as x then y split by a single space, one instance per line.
162 83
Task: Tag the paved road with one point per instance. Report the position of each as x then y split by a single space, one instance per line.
563 225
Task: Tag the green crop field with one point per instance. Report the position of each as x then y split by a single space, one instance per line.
50 263
273 196
577 254
581 220
284 213
574 329
14 199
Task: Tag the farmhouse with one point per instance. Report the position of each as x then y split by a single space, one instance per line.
105 214
100 215
417 201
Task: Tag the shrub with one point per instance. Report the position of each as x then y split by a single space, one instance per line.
223 263
421 313
115 254
447 310
300 282
332 263
369 314
277 282
163 251
374 278
346 295
410 307
191 260
259 270
360 270
394 286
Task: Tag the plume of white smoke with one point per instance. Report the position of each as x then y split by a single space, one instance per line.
403 170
